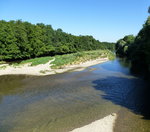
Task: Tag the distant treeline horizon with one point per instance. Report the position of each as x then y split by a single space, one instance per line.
23 40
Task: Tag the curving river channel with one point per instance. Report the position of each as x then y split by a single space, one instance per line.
62 102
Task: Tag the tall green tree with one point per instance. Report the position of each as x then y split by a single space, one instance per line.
22 40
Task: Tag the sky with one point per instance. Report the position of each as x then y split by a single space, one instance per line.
105 20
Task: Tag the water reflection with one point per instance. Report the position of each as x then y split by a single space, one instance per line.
117 65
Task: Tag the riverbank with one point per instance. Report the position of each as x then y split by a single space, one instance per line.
56 64
105 124
46 69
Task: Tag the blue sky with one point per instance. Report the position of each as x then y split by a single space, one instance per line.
106 20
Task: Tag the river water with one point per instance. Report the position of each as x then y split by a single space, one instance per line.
62 102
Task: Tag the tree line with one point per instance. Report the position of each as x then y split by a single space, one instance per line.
137 49
23 40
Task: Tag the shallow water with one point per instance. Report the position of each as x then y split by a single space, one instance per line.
62 102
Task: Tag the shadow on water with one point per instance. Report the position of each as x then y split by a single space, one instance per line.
131 93
65 101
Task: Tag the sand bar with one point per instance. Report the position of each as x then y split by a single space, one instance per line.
45 69
105 124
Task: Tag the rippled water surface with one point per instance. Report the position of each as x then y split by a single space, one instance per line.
62 102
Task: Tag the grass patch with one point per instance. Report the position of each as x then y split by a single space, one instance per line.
76 58
35 61
68 59
2 62
2 67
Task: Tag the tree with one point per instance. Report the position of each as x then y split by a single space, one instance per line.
23 40
137 49
122 45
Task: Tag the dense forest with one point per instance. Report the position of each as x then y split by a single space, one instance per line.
23 40
137 49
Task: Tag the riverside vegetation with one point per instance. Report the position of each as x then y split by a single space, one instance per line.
67 59
22 40
137 50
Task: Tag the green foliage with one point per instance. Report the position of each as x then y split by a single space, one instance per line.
68 59
62 60
123 44
76 58
141 50
23 40
2 62
138 51
36 61
2 67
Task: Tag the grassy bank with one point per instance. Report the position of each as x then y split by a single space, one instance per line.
80 57
67 59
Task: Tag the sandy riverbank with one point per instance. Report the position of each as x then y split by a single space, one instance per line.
45 69
105 124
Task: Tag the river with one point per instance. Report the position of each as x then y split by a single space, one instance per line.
62 102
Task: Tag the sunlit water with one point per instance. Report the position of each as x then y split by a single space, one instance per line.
62 102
